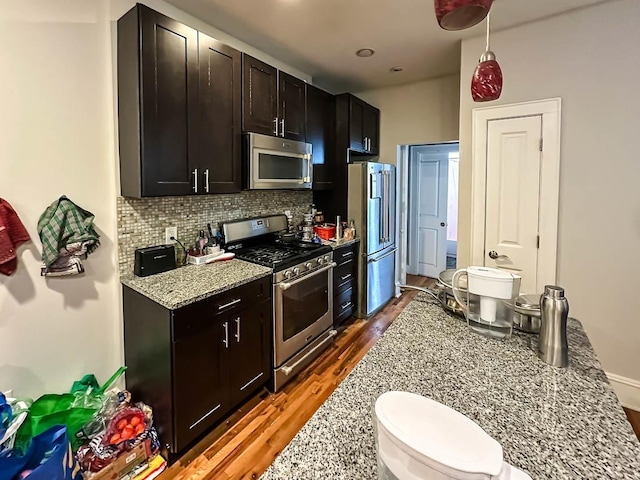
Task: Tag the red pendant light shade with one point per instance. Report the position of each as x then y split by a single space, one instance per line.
461 14
486 83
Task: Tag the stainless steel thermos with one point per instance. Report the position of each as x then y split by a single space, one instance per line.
553 347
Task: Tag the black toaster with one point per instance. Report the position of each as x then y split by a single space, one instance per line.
152 260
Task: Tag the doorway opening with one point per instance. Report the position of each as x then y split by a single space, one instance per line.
432 201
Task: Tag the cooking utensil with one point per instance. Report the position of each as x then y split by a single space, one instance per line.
326 231
526 315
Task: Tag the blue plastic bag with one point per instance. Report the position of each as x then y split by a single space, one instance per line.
49 457
6 415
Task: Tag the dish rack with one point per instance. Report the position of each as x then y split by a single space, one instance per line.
203 259
9 438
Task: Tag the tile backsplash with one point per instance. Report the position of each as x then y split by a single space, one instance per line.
141 222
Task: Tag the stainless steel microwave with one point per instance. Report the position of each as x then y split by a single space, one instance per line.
277 163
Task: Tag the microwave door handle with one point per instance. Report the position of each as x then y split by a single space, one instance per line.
309 169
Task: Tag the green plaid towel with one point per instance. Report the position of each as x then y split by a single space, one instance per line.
62 223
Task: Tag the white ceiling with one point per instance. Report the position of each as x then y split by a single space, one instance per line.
320 37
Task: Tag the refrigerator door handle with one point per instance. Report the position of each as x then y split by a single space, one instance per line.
383 256
387 205
383 201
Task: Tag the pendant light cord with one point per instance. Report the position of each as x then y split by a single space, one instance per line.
488 24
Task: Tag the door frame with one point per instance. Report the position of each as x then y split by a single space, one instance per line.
442 150
550 110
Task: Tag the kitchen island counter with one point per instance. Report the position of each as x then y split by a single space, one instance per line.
552 423
185 285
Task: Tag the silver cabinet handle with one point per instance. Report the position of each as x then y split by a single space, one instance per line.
195 180
206 180
282 127
348 275
364 143
275 126
231 303
226 335
345 306
237 335
347 254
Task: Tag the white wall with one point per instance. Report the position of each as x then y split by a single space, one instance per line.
421 112
58 137
589 58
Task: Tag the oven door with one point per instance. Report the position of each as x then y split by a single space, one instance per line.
276 163
303 309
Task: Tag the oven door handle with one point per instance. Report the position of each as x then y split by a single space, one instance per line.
288 285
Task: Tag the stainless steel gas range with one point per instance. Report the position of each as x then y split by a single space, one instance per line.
302 290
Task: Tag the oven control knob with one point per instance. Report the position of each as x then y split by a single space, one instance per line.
296 270
320 260
288 274
327 258
309 265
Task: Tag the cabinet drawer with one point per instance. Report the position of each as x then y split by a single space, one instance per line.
343 306
341 255
199 316
343 276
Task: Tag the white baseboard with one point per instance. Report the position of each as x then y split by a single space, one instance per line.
627 390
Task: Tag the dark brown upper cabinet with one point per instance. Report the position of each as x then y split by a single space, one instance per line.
218 126
259 96
273 102
364 125
178 109
292 103
321 136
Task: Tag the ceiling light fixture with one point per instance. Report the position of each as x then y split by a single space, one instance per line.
486 83
461 14
365 52
396 69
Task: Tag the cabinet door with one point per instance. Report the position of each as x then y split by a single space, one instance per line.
218 126
356 124
249 366
200 382
293 105
169 97
320 134
371 128
259 96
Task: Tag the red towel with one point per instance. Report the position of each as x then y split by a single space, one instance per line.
12 235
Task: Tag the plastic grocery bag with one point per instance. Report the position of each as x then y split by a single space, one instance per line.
72 410
49 457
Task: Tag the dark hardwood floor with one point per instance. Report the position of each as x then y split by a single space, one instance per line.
634 420
246 444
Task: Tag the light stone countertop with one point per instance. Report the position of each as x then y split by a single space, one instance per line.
189 284
552 423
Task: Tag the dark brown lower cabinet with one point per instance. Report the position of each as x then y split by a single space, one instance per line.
194 365
345 282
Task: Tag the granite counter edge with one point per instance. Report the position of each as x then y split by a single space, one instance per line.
129 282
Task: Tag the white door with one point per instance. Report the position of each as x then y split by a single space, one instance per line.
428 243
513 197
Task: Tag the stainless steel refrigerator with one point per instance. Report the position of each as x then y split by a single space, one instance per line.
372 204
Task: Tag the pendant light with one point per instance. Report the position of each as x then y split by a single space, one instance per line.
486 83
461 14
